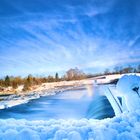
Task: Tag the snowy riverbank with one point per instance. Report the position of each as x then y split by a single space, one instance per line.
21 98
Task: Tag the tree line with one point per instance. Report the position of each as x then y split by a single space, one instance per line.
71 74
123 70
29 81
117 70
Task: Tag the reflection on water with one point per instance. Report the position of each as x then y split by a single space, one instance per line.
67 105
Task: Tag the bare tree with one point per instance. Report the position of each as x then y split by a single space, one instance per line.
74 74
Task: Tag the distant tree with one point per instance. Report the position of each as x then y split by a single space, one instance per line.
138 68
28 83
19 80
30 80
16 81
128 69
56 77
2 82
26 86
117 70
50 79
74 74
135 70
106 71
44 80
14 84
7 81
90 75
36 81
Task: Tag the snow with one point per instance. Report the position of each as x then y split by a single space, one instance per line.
125 87
108 78
123 127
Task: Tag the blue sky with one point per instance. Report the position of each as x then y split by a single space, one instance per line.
48 36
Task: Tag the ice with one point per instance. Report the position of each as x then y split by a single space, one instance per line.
128 86
113 100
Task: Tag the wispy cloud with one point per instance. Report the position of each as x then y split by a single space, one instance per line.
67 34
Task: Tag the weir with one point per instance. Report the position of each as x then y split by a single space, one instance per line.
101 105
105 103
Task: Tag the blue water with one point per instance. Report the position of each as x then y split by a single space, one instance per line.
74 104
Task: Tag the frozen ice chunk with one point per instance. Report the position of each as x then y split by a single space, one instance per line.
129 87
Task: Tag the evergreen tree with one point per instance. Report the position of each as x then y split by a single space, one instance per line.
7 81
29 80
28 83
138 68
26 86
56 77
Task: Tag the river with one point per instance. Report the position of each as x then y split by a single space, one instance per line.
71 104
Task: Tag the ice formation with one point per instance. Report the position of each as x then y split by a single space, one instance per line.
129 88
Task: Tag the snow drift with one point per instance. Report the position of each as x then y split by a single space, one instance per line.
123 127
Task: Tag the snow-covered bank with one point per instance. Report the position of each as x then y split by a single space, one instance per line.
123 127
46 89
21 98
18 99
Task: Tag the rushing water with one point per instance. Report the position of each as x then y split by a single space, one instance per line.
74 104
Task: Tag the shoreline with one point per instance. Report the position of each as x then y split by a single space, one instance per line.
45 89
45 86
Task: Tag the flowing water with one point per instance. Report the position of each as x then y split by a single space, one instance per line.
72 104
